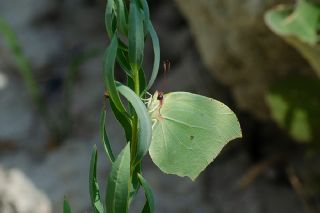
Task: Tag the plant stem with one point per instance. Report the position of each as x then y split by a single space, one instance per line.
134 141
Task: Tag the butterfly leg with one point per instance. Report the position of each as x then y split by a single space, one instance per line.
154 121
154 108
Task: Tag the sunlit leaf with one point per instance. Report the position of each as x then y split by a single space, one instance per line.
299 28
302 22
295 105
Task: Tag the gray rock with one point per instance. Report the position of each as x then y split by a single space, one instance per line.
15 110
239 50
19 194
63 172
39 43
23 12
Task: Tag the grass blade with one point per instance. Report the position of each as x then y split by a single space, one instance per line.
66 206
22 62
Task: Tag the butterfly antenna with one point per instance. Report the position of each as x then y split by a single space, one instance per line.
166 69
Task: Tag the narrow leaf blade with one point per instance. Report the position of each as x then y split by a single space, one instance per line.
149 206
121 13
118 187
109 17
109 76
124 121
66 206
93 183
136 37
156 52
104 136
145 128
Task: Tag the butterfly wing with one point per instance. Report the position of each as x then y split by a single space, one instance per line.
189 133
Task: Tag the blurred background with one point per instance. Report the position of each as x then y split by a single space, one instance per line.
265 67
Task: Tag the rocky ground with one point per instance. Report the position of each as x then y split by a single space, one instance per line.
35 178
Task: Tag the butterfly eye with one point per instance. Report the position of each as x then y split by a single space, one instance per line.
160 96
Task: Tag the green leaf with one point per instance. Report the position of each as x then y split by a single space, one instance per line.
189 131
299 28
142 80
143 4
124 63
156 52
117 199
149 206
93 183
301 23
123 119
295 106
109 75
135 37
104 136
110 17
121 14
66 206
115 102
145 130
145 8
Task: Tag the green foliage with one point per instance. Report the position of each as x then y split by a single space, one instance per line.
189 131
136 37
104 136
295 106
302 22
93 184
294 103
118 188
299 27
144 130
66 206
149 206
